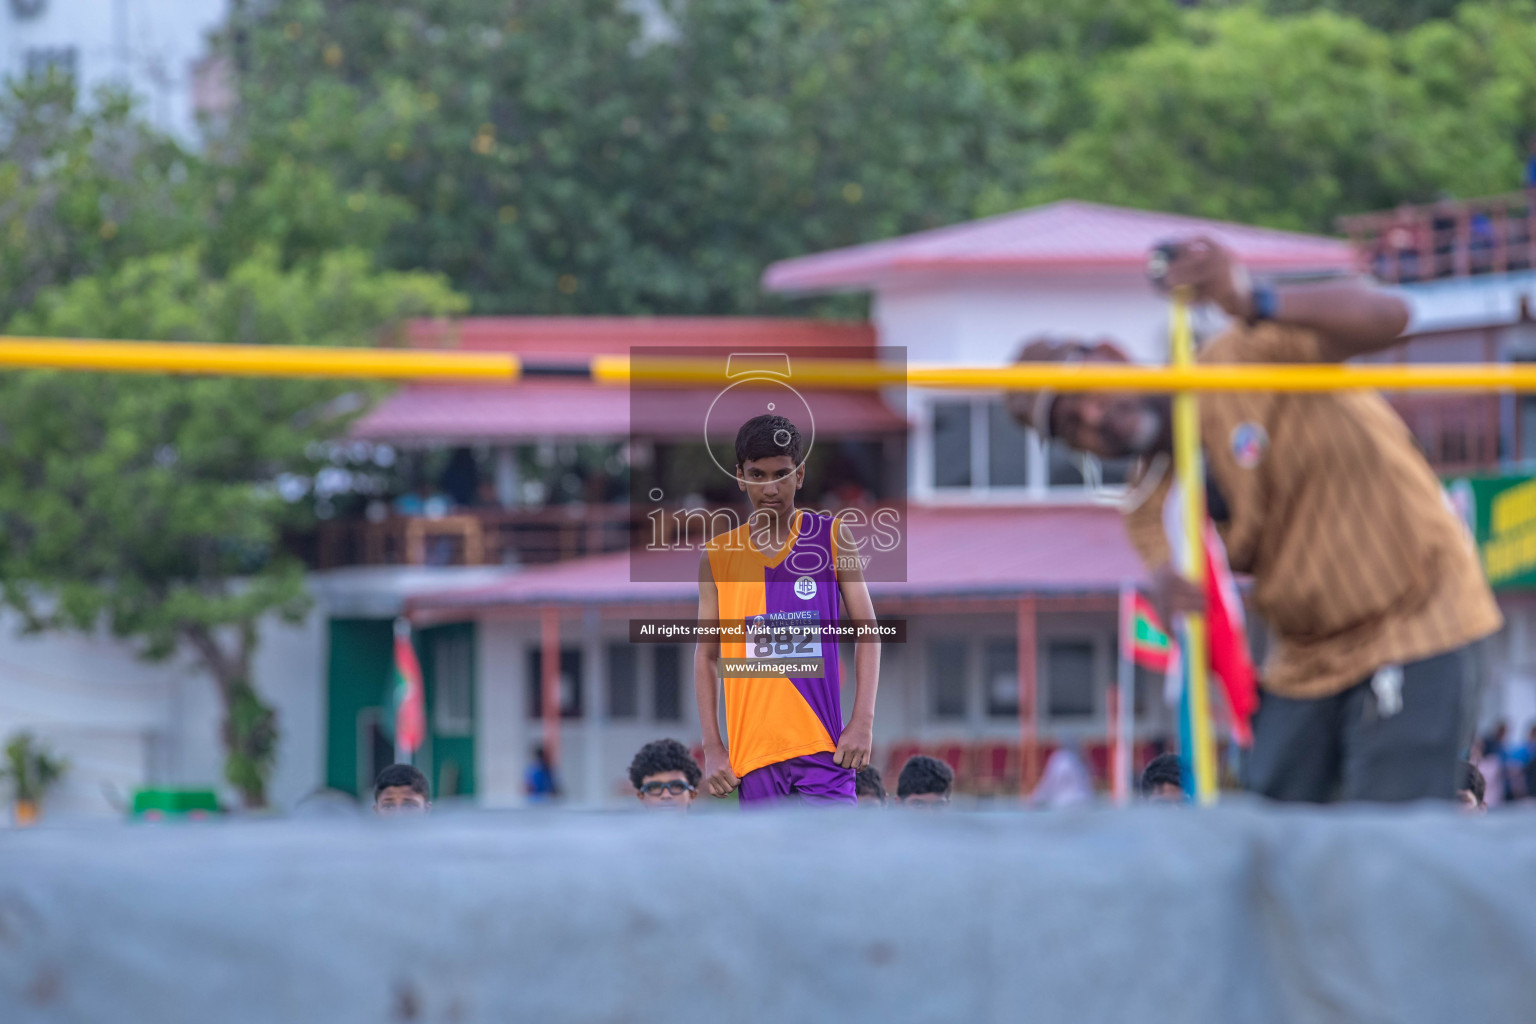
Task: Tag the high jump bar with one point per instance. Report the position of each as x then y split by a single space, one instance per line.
501 367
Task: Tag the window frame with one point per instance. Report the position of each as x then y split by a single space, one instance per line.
1038 486
1098 653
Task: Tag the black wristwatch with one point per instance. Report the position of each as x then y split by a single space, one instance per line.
1265 304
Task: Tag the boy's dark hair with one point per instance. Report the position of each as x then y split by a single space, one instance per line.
1164 769
763 437
869 783
660 756
1470 778
401 775
924 774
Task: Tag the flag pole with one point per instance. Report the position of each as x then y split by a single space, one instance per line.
1122 787
1191 477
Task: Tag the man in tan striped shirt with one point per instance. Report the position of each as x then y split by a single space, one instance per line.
1363 572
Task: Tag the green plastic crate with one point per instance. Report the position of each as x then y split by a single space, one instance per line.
175 803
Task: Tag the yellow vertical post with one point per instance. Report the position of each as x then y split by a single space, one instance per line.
1191 476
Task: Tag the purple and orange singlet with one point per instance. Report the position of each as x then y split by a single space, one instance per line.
772 719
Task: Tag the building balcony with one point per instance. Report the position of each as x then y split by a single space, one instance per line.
1457 433
1496 235
477 536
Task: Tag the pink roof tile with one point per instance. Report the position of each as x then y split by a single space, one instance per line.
539 409
578 337
1066 235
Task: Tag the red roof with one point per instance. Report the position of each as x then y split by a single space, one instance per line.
959 551
539 409
1066 235
581 336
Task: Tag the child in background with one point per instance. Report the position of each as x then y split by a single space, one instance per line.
924 783
665 776
401 789
869 787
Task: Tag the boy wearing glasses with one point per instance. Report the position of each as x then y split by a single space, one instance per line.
665 776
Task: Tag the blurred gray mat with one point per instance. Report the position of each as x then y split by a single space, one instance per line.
1239 914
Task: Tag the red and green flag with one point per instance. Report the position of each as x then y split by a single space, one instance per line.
409 697
1151 647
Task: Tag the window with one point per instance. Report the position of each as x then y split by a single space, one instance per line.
570 682
453 683
977 443
1069 678
623 682
39 61
946 678
668 695
1065 466
1115 472
952 444
1009 447
1000 661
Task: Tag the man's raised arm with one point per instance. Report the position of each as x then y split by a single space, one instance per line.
1350 319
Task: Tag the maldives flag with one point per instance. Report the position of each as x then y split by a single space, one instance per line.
1227 633
1151 647
409 697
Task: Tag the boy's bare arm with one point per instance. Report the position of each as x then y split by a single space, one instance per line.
856 744
719 780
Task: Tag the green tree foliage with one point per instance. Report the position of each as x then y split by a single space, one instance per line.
1393 15
80 193
553 157
1050 46
149 504
1294 121
1482 64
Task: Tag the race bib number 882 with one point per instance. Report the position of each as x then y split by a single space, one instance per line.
778 637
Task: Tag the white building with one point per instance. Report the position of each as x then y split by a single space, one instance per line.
157 49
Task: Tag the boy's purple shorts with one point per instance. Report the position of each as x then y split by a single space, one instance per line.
814 778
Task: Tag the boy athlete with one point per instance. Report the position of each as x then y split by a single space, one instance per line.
780 569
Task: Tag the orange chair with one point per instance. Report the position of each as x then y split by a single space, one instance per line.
1098 756
900 752
995 768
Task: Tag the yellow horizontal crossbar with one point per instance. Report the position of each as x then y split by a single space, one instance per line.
254 360
416 364
1094 376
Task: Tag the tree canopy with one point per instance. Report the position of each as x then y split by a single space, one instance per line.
565 160
151 504
1294 121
